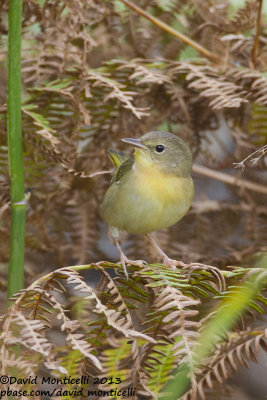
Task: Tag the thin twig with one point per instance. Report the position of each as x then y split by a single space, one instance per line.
170 30
252 157
229 179
257 36
100 173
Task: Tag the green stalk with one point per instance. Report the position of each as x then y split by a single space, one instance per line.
15 155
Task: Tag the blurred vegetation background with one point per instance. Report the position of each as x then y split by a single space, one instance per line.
95 71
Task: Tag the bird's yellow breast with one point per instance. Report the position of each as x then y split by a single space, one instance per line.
171 194
153 183
147 199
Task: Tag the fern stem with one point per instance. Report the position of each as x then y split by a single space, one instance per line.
170 30
15 157
257 36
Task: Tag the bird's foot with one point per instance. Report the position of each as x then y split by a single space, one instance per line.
125 260
172 263
165 259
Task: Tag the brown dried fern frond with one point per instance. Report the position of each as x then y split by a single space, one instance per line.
181 312
117 320
254 81
30 336
238 351
76 340
64 39
115 91
215 13
111 340
220 92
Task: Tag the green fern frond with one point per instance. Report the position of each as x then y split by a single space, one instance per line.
72 362
118 362
164 365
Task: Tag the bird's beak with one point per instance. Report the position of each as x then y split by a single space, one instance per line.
134 142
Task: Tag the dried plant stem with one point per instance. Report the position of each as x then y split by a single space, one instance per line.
18 203
100 173
257 36
252 157
231 180
170 30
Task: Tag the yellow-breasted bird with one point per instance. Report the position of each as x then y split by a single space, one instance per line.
150 190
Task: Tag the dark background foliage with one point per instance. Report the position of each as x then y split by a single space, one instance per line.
94 72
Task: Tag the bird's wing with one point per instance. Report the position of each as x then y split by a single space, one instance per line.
122 163
117 157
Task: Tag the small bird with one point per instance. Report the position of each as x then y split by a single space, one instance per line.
150 190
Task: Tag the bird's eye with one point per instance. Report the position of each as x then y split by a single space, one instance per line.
160 148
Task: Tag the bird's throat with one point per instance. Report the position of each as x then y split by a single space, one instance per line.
142 161
146 167
151 181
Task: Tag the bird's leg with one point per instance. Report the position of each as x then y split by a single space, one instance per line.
166 260
124 259
122 256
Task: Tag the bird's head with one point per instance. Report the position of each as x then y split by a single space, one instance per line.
164 151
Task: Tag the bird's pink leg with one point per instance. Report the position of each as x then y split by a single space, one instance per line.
125 260
166 260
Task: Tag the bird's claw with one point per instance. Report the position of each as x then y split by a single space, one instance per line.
138 263
171 263
125 260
